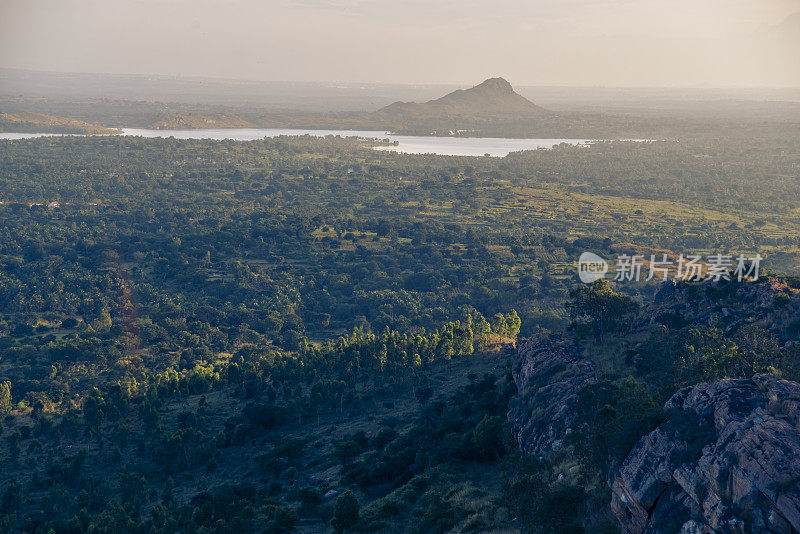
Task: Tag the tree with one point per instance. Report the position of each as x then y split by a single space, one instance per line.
599 307
5 398
499 324
759 350
103 321
482 331
284 519
513 324
345 513
708 353
488 437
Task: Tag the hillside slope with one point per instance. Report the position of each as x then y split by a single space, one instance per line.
27 122
191 122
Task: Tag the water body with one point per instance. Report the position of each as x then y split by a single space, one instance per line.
13 135
411 144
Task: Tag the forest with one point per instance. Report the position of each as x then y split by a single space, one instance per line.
307 334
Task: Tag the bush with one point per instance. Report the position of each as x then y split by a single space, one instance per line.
345 513
780 300
285 519
488 437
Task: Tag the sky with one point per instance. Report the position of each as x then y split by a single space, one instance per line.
616 43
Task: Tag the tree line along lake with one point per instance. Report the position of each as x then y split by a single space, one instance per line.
410 144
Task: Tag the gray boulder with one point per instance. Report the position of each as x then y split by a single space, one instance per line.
727 460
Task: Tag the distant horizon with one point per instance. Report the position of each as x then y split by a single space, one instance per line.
472 83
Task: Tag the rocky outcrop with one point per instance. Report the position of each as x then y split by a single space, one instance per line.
770 303
549 373
727 460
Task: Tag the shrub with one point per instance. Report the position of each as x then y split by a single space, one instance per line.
345 513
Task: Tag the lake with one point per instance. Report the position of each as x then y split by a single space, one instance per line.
411 144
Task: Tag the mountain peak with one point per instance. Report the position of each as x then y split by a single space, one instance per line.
491 99
499 85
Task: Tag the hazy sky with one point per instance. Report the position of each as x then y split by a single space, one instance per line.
686 43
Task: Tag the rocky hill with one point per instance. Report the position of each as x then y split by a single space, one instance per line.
490 108
494 98
726 460
771 303
722 457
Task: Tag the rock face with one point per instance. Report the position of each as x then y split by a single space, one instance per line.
549 373
770 304
727 460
